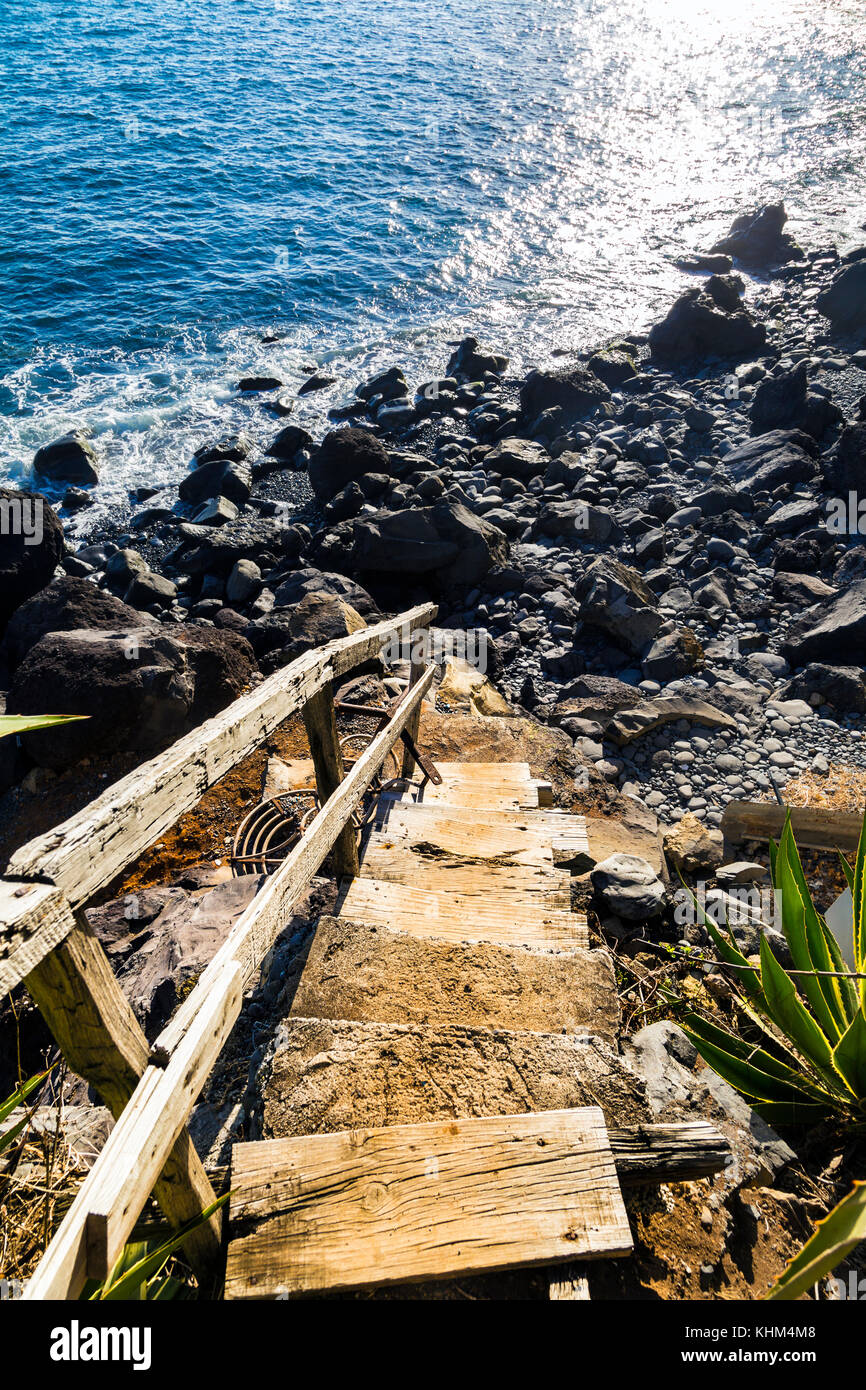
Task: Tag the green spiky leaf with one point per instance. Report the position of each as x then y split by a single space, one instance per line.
835 1237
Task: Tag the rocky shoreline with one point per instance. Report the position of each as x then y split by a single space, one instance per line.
655 545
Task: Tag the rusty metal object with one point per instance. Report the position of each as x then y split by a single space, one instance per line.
270 831
383 713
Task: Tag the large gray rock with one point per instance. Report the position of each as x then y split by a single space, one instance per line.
574 390
62 606
220 478
445 542
31 549
846 470
517 458
780 458
70 459
844 302
140 688
203 550
701 324
629 887
615 598
834 631
316 619
678 1090
344 456
843 687
155 954
757 239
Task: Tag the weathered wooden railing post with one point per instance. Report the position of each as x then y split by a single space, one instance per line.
96 1030
419 656
320 722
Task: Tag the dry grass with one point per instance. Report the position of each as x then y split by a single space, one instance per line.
39 1175
841 789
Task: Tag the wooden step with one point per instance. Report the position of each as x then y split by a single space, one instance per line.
489 868
487 786
372 1207
457 916
374 974
566 834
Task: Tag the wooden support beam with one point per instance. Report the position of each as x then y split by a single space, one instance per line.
647 1154
320 722
109 1201
569 1285
100 1037
814 827
86 852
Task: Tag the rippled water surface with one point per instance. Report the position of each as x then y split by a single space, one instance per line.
370 179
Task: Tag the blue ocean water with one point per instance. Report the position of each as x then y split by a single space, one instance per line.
369 180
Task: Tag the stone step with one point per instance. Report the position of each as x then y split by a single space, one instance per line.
374 974
324 1075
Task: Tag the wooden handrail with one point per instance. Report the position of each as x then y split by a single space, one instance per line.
64 868
111 1198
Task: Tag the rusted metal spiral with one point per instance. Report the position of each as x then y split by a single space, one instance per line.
270 831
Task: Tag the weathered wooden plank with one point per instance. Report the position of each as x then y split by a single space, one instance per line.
669 1153
109 1201
320 722
415 1202
34 918
566 834
415 673
455 917
477 878
487 786
569 1285
101 1039
87 851
259 925
814 827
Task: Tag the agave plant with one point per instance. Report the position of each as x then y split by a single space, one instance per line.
836 1236
26 723
140 1274
11 1103
811 1061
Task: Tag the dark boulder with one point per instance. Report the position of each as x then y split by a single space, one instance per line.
470 363
319 381
445 543
313 581
615 599
233 449
345 456
286 447
574 391
204 551
844 302
70 459
259 383
220 478
32 548
833 631
843 687
758 239
517 458
701 324
142 687
316 619
613 366
65 605
388 386
847 469
780 458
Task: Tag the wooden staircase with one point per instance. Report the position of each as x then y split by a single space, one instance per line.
460 918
